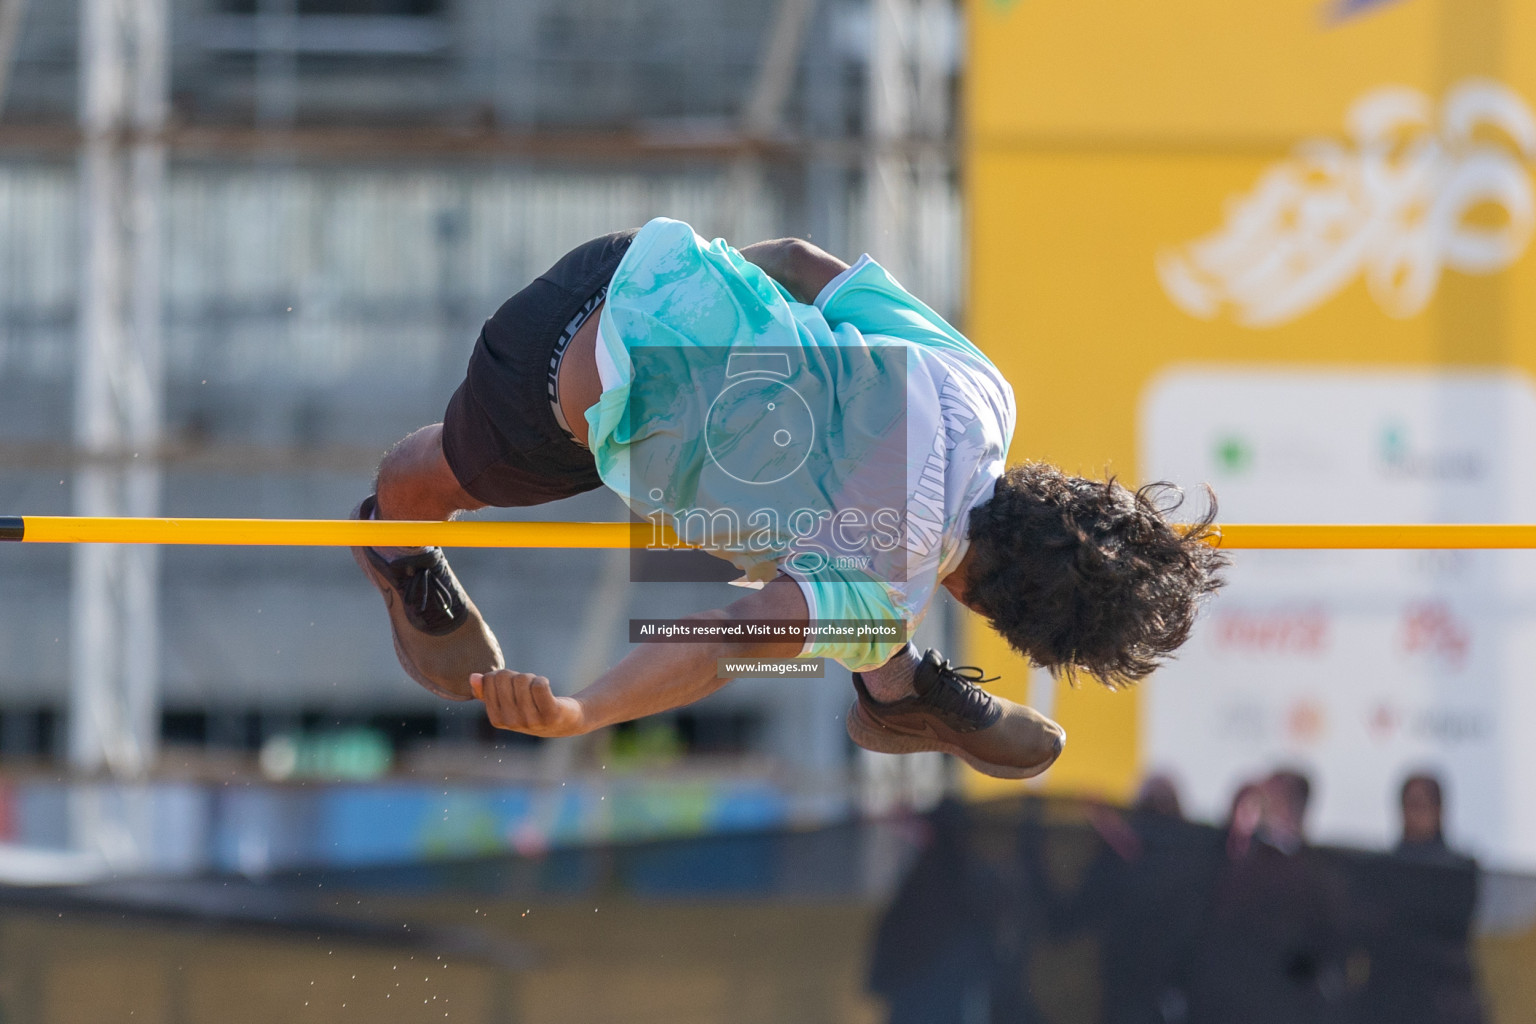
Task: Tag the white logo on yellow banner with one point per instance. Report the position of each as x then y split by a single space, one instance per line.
1407 196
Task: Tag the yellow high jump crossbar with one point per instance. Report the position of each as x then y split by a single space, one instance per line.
480 534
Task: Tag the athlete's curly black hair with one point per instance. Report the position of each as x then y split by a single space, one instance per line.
1087 575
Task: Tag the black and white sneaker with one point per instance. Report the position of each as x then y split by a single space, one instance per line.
440 637
950 712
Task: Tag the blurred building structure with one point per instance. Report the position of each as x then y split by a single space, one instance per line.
350 187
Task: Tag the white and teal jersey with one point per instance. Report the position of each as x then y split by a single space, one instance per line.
843 443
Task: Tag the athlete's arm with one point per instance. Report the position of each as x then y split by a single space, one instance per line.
652 678
799 266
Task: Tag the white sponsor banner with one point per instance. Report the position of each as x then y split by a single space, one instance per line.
1357 666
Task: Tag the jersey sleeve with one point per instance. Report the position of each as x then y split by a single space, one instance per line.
867 297
848 599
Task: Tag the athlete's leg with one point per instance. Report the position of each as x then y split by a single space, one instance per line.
500 443
893 680
415 481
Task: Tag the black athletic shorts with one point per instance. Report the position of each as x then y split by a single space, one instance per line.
500 434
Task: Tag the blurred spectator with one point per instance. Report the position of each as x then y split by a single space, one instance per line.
1140 901
935 948
1416 913
1271 951
1244 818
1286 794
1152 906
1020 915
1159 795
1423 804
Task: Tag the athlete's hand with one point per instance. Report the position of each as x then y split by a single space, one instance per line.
523 702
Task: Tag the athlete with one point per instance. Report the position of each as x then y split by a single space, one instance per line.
828 434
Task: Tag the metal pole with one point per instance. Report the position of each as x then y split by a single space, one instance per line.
763 115
11 14
932 255
277 63
745 216
114 713
145 373
888 117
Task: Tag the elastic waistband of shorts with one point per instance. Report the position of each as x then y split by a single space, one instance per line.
562 345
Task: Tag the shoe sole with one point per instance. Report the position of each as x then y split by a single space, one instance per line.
888 741
406 663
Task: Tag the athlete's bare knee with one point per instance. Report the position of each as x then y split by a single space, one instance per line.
416 482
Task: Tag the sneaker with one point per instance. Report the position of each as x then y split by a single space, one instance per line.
951 713
440 637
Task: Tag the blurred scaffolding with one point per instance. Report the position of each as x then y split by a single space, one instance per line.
250 243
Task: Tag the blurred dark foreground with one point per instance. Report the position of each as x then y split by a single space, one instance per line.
1050 911
1015 911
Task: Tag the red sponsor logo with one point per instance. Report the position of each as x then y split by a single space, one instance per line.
1431 628
1273 631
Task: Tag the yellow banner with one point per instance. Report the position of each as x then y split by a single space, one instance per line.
1326 184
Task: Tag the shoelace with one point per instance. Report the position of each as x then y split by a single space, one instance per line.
959 691
428 592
